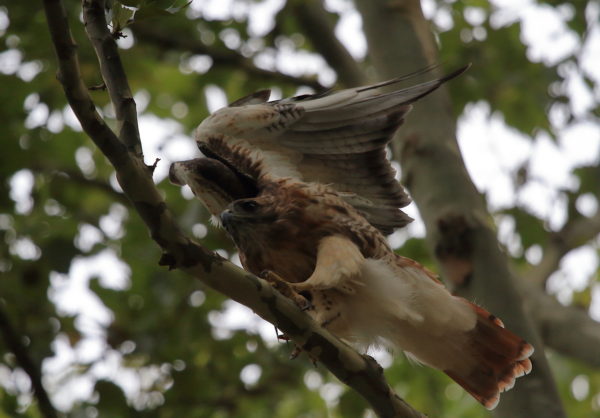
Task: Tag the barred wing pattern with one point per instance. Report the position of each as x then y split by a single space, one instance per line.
336 138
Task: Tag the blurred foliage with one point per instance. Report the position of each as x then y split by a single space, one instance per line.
173 358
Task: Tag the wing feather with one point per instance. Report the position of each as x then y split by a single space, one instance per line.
336 138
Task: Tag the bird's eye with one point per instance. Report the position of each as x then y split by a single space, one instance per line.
248 205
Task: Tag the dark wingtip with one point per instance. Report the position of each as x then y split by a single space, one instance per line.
425 70
257 97
173 176
435 84
455 73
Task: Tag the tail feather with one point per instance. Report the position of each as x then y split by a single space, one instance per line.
501 357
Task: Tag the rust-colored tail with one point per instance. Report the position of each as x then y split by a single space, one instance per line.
501 357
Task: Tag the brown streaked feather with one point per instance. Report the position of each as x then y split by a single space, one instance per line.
337 138
365 293
235 156
257 97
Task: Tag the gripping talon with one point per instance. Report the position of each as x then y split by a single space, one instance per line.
308 305
328 321
295 353
286 289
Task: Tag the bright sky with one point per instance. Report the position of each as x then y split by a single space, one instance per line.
492 151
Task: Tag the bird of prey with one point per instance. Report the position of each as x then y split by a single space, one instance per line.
303 187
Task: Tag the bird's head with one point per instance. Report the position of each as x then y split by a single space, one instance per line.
246 217
283 212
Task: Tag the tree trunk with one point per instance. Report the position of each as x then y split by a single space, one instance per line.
459 229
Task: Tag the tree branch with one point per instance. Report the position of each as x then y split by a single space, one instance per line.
76 91
113 74
63 175
359 372
226 58
317 26
573 234
568 330
14 344
76 177
459 230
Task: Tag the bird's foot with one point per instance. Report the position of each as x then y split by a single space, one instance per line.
286 289
295 352
299 350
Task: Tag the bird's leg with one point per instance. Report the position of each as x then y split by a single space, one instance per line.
303 303
339 262
328 321
298 350
295 352
286 289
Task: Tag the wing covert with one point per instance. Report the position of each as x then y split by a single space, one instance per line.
335 138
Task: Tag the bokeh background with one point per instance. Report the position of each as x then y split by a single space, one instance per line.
115 335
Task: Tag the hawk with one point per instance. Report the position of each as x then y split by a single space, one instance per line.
303 187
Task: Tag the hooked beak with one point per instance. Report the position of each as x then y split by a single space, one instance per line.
226 218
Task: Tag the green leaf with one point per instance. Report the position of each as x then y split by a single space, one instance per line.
530 228
130 3
589 178
150 11
121 16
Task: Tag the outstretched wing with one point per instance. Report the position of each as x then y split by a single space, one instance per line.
214 183
335 138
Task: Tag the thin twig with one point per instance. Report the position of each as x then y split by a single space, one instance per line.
76 177
227 58
575 233
62 174
317 26
113 74
567 329
76 91
14 343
